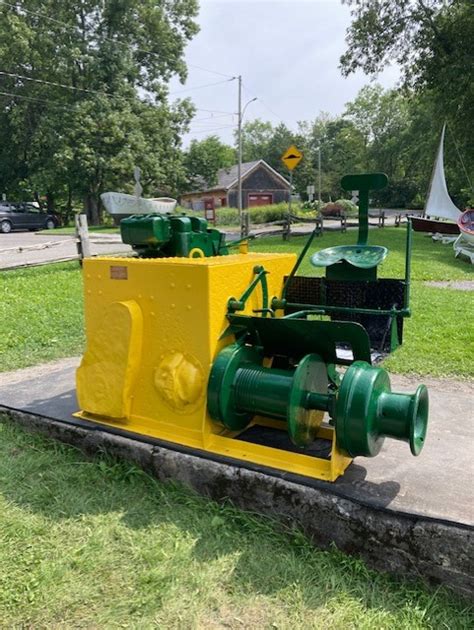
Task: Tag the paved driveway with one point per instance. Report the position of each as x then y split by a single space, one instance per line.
25 248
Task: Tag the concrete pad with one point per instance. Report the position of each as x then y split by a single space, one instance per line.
401 515
437 484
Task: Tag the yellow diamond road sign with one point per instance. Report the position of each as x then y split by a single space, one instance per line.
292 157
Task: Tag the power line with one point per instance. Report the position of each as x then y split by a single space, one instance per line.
208 130
39 100
110 39
200 87
221 74
214 111
63 85
270 110
212 117
100 93
56 104
260 100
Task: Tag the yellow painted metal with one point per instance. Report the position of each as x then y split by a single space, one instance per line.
244 247
153 328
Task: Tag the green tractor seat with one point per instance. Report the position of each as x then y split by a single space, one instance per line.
361 256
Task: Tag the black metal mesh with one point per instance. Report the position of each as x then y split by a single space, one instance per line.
382 293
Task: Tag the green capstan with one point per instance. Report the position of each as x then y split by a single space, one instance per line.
363 408
367 411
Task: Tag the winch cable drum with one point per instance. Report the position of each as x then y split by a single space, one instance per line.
364 408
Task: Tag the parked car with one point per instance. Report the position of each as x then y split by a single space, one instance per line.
24 216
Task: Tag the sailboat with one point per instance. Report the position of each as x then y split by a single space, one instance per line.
438 204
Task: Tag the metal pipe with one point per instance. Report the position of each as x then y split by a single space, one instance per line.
406 301
242 216
299 260
321 309
319 178
363 217
239 159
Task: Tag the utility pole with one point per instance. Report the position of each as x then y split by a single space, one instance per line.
243 216
239 160
319 178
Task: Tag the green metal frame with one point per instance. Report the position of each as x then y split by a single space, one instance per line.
295 338
234 305
345 271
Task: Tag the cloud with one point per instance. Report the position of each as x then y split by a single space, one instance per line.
287 53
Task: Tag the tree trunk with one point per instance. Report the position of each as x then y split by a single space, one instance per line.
38 199
68 211
91 208
50 201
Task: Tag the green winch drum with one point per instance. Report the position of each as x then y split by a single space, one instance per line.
364 408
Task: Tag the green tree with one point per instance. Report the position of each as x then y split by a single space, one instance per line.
342 151
116 58
203 159
256 137
383 118
433 42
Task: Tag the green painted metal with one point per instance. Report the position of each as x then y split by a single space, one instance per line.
345 262
361 257
240 389
322 309
263 391
394 339
309 399
220 393
346 272
363 407
234 305
299 260
298 337
157 235
367 412
364 182
355 263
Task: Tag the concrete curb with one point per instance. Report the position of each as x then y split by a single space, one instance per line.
400 543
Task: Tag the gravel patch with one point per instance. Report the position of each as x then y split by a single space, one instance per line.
458 285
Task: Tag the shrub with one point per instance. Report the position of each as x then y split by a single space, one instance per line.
348 206
227 216
311 206
258 214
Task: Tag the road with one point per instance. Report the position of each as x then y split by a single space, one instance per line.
28 248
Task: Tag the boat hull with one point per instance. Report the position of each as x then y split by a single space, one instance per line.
466 225
421 224
121 204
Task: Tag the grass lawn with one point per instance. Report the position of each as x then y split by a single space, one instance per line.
99 544
44 306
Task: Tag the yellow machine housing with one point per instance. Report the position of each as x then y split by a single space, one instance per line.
154 327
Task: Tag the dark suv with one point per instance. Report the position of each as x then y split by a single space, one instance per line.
24 216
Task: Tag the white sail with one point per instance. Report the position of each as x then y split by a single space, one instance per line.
439 202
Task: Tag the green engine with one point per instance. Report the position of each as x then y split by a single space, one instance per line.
166 235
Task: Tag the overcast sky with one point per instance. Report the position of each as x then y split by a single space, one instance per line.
287 53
